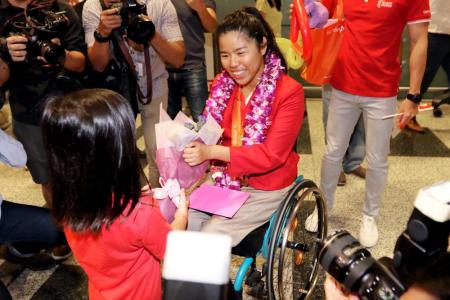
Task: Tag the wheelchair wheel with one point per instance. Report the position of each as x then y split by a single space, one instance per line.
293 265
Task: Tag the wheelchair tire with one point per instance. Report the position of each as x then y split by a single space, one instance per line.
293 263
437 112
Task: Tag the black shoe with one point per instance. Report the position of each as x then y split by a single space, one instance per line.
36 262
61 253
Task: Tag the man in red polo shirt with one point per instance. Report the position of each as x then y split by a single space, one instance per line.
366 79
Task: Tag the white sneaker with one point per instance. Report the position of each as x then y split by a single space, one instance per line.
312 221
368 233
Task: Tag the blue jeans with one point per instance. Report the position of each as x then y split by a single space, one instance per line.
191 83
438 55
28 227
356 150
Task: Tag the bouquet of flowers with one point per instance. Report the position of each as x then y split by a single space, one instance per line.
171 138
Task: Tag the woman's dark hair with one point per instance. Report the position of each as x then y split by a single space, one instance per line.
94 166
250 21
276 3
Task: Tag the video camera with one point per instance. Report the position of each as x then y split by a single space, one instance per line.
135 21
424 240
39 24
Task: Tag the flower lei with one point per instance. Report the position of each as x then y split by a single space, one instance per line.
256 121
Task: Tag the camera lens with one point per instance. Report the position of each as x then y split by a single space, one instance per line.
346 260
140 29
52 53
353 266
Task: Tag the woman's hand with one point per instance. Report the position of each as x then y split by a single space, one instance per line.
195 153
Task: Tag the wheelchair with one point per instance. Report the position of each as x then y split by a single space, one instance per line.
290 253
444 98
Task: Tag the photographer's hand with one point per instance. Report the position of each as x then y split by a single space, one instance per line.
335 291
109 20
17 47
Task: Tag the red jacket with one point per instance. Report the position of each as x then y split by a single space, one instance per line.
271 165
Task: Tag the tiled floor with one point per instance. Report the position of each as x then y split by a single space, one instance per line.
417 160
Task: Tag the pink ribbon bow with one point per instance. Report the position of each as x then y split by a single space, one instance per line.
169 189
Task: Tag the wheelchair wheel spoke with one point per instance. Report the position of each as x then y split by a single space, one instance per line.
293 266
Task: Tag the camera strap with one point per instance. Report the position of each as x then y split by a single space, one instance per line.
144 99
148 71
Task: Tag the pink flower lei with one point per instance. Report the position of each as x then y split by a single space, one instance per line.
256 121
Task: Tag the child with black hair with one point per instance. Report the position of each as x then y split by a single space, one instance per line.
115 230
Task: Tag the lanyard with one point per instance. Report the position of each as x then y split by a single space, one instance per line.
237 130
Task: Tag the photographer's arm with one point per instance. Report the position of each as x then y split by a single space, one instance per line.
206 14
75 61
99 56
99 53
170 52
4 72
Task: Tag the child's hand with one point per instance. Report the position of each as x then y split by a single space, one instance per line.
183 207
181 215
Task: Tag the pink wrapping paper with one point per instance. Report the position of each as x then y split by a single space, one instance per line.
171 164
167 208
171 138
217 200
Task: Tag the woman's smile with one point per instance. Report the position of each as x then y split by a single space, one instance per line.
242 58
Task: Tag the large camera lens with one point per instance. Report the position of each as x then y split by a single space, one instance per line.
53 53
345 259
353 266
140 29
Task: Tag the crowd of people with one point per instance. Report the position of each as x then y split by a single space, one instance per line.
81 143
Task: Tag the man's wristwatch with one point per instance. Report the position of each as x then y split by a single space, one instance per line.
416 98
101 38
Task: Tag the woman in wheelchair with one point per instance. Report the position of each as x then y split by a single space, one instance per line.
261 110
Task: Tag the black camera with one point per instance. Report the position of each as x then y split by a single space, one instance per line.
52 53
421 244
135 21
352 265
40 27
